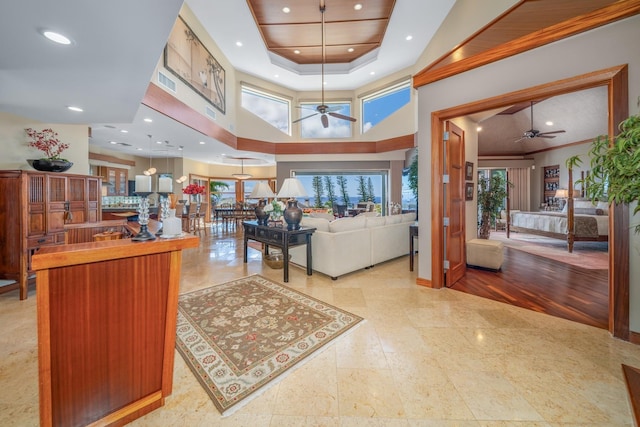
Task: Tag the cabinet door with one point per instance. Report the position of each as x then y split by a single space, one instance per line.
36 205
57 203
77 200
93 199
122 177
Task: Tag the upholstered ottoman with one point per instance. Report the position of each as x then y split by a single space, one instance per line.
485 253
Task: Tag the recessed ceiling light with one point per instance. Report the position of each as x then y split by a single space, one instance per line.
479 128
139 149
112 142
297 52
201 142
549 123
158 142
357 6
409 37
77 109
372 73
56 37
148 120
286 9
124 131
350 49
239 43
276 76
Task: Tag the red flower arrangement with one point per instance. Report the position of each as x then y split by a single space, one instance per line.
193 189
47 141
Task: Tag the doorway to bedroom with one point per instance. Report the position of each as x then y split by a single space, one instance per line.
615 80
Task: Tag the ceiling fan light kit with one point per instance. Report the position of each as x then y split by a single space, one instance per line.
324 109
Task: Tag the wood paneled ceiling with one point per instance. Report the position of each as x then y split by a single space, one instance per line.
297 35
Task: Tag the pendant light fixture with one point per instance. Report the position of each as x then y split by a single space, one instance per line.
151 169
183 178
242 175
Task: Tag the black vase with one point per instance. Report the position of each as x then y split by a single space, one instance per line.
261 215
292 215
50 165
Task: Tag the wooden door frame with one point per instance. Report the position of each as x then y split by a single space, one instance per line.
616 81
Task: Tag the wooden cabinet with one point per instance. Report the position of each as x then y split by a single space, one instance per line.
35 206
117 179
550 183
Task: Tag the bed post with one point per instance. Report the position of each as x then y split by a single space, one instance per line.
508 224
570 226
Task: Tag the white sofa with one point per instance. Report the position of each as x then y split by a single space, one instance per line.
353 243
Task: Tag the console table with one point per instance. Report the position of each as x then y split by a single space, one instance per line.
281 238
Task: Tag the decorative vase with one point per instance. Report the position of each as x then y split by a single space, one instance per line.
261 215
292 215
50 165
171 225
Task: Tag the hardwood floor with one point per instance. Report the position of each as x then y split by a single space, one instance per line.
543 285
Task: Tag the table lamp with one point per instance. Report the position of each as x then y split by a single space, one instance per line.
261 191
292 188
562 194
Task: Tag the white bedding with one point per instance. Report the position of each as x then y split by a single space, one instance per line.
554 222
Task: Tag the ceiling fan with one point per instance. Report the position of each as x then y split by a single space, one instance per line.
534 133
323 109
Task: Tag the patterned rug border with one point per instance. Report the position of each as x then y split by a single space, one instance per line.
287 360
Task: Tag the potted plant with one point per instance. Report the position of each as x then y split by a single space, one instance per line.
215 188
614 166
47 141
491 194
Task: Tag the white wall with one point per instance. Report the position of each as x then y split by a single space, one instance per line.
600 48
16 150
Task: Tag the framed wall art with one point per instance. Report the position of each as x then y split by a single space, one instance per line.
189 60
468 171
468 191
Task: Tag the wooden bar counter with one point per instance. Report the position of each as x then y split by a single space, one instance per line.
106 329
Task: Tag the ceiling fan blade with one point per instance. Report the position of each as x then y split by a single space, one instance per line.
303 107
325 120
545 136
520 139
342 116
334 108
549 133
305 117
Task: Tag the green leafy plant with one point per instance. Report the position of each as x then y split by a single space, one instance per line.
413 176
215 188
491 194
342 184
318 190
331 193
615 166
362 189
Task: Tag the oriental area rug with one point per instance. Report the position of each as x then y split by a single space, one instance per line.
240 336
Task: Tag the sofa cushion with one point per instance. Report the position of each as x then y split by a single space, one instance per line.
325 215
368 214
408 217
320 224
347 224
393 219
375 221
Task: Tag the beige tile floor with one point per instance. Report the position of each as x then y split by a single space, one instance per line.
423 358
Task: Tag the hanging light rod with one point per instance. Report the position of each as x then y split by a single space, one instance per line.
242 175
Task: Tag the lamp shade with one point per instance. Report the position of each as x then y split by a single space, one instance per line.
261 190
562 193
292 188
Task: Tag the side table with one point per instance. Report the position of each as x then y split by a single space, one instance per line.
413 232
281 238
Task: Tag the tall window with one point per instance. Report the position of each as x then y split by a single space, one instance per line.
312 127
273 109
381 104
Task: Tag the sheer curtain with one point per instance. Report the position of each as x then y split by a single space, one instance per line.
520 192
